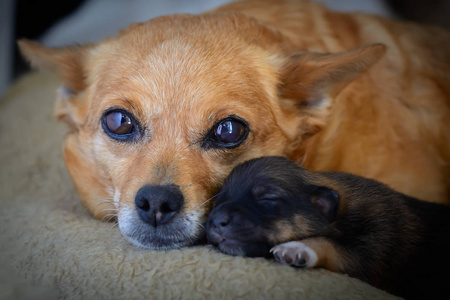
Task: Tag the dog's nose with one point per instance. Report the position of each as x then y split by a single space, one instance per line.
158 204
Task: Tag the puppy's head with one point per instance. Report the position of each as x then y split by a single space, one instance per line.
268 201
162 113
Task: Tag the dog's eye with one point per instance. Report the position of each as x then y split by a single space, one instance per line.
227 133
118 124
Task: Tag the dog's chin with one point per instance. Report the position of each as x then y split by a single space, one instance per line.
185 230
152 242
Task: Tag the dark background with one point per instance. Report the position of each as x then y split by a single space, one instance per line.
33 18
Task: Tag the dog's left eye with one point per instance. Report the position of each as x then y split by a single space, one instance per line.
227 133
119 124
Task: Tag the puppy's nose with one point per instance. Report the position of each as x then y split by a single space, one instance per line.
158 204
218 221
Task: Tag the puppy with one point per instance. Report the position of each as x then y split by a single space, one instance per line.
160 114
337 221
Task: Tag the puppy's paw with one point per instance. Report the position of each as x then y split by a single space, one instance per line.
295 254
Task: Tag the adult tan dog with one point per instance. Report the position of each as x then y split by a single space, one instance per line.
161 114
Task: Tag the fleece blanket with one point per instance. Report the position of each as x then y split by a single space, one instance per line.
51 248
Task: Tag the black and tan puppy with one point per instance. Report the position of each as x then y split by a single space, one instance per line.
337 221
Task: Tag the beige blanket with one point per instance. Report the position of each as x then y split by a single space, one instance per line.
50 247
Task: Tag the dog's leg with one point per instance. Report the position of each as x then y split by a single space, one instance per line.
311 253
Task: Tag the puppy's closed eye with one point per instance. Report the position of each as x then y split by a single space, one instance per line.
268 205
267 200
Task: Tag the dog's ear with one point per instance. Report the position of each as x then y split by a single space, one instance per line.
310 81
327 201
312 77
67 64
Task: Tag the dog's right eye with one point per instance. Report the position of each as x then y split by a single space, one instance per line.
119 124
228 133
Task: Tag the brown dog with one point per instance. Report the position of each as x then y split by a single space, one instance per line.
162 113
335 220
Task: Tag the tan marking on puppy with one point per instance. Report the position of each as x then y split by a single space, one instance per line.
282 231
287 230
328 254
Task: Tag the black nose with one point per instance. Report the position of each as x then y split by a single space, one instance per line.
219 221
158 204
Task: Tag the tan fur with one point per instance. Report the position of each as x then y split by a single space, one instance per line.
381 112
282 231
328 254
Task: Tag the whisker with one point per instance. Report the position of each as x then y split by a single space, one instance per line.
187 186
103 202
108 209
211 198
201 225
110 217
105 188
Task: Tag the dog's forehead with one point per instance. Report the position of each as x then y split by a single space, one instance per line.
182 72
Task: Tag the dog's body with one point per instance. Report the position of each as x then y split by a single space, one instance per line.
338 221
169 107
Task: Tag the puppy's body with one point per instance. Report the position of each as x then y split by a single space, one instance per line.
338 221
170 106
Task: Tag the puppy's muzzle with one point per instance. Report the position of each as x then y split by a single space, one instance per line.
232 228
229 221
157 205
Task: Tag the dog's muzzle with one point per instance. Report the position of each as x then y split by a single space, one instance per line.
157 220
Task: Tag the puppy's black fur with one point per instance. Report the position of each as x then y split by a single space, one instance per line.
353 225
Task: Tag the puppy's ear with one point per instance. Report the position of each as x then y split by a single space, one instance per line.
312 77
68 65
327 201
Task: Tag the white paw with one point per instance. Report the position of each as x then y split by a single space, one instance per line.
295 254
